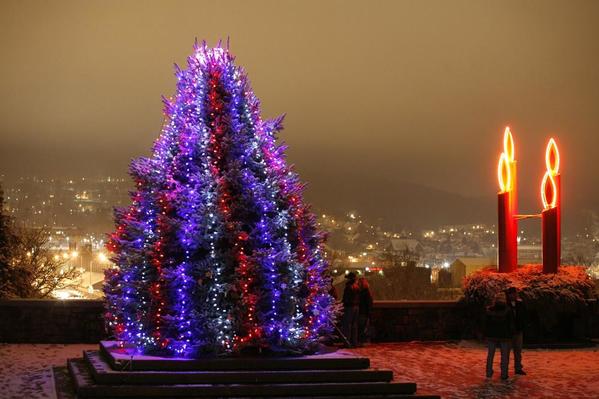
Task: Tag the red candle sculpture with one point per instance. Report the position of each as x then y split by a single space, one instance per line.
507 226
551 197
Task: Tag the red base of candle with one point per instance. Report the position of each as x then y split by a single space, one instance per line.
551 240
507 234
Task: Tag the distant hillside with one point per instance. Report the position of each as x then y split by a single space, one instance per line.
396 205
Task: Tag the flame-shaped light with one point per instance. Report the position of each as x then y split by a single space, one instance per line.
508 144
552 157
504 175
548 191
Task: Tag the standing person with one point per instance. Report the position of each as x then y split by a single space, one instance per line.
364 309
351 309
498 330
518 309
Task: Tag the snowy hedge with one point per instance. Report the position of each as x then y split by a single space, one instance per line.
546 296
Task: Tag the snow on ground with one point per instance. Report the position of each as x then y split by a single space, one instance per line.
26 369
457 370
452 370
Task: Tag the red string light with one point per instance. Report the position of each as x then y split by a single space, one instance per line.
224 204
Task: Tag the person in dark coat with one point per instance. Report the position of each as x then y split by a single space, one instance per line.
364 309
351 309
499 331
519 315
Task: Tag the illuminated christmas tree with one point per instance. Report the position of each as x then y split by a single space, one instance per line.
217 251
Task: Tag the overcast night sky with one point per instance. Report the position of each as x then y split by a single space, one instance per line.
394 105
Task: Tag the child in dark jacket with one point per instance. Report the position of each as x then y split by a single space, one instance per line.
519 314
499 331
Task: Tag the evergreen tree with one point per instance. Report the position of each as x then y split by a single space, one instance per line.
218 251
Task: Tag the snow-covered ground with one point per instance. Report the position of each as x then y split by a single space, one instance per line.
457 370
453 370
26 369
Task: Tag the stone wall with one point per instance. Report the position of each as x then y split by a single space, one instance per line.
80 321
51 321
450 320
416 320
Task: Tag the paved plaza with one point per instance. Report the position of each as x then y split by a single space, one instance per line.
452 370
456 370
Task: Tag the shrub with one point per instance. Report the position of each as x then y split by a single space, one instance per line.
546 296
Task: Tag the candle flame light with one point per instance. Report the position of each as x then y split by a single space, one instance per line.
508 144
548 191
504 175
551 197
552 157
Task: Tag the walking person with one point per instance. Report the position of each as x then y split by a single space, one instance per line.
499 331
518 309
351 309
364 310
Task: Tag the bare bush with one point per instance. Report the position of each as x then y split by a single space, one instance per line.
34 270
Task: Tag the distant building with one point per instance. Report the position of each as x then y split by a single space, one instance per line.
489 252
404 250
530 254
441 277
465 266
403 244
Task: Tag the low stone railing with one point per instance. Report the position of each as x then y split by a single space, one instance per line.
80 321
51 321
416 320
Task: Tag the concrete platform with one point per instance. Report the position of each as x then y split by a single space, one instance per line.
103 373
87 387
117 372
126 358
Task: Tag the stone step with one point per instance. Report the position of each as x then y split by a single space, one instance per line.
103 373
86 387
119 357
